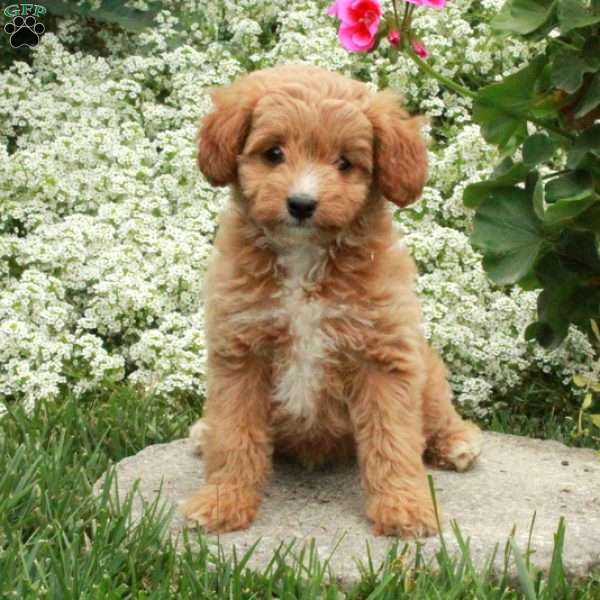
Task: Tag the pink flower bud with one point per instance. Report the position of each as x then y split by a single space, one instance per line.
420 49
394 37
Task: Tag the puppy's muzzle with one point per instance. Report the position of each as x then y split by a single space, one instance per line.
301 206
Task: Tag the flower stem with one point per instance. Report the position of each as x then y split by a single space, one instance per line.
395 8
405 17
449 83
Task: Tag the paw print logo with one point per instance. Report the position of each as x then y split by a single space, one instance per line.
24 32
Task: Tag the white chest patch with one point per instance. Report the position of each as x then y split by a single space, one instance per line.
299 380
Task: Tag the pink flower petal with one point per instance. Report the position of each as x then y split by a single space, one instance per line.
434 3
354 40
344 11
332 10
362 37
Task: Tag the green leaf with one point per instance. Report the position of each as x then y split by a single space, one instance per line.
567 71
110 11
581 381
508 233
566 209
539 203
559 285
589 220
545 335
505 175
501 109
529 282
538 148
523 16
573 14
587 143
505 169
476 193
591 51
497 127
565 298
575 185
578 253
595 420
590 99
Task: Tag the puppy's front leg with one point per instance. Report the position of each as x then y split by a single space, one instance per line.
236 448
385 413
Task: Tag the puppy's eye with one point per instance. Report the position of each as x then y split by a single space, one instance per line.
274 155
343 164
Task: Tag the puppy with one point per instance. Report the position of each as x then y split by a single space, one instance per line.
315 345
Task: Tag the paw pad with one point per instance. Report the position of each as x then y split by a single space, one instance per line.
24 31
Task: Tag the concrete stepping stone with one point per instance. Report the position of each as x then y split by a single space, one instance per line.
514 478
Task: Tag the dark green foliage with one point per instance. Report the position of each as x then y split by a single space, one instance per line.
538 219
110 11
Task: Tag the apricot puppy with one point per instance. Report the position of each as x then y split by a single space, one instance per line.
313 327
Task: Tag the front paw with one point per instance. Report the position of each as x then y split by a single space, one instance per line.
406 515
221 508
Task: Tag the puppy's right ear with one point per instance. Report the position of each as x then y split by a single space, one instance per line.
223 131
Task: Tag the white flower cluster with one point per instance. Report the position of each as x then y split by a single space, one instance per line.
106 224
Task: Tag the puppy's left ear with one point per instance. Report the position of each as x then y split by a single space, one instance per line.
400 150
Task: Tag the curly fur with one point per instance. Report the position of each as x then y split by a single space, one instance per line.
314 331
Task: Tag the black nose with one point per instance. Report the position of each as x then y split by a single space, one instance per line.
301 206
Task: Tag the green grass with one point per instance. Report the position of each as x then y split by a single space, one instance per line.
544 410
57 541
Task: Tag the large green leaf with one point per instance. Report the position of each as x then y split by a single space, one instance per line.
578 253
591 50
587 143
568 69
506 175
589 220
567 209
568 196
508 233
538 148
110 11
501 109
590 99
573 14
523 16
559 287
574 185
564 300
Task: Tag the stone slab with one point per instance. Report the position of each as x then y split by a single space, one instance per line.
514 478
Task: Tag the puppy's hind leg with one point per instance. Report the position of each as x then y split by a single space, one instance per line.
197 433
452 443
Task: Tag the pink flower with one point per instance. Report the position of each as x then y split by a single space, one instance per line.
420 49
394 37
429 3
359 23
